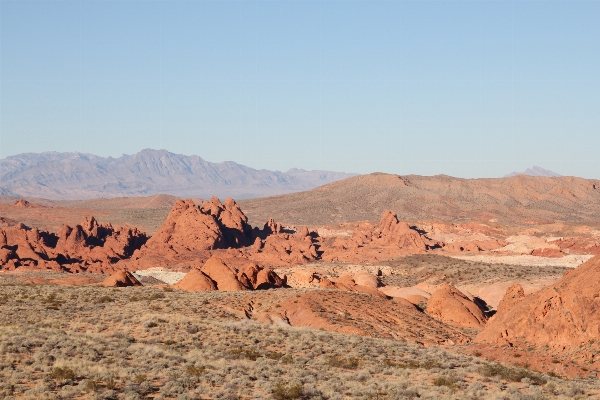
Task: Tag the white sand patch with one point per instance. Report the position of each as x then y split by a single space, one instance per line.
570 261
333 233
161 274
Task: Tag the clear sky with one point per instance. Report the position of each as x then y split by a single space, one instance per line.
464 88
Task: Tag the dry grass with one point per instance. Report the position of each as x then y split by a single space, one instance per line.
413 269
135 343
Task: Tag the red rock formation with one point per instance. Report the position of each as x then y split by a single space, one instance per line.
552 253
366 279
392 231
121 279
514 294
451 306
562 316
353 313
195 281
24 203
347 283
224 276
89 247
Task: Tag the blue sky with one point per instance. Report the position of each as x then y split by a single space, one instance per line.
464 88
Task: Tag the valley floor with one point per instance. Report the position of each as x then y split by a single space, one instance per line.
69 342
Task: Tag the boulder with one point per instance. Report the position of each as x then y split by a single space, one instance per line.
453 307
366 279
268 279
195 281
222 275
121 279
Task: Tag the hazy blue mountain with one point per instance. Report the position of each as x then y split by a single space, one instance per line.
56 175
534 171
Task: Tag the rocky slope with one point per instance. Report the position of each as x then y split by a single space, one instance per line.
516 199
55 175
562 317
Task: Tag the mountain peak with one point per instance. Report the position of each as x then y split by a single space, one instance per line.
77 175
534 171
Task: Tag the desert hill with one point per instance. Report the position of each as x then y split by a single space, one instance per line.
517 199
55 175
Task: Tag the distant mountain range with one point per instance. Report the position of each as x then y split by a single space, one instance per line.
67 176
534 171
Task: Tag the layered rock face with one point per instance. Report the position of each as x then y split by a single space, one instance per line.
453 307
87 247
562 316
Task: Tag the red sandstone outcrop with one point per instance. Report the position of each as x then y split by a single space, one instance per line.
366 279
346 282
192 234
22 203
561 316
195 281
224 276
453 307
392 231
217 275
353 313
121 279
514 294
88 247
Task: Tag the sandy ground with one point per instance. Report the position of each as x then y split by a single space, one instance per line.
161 274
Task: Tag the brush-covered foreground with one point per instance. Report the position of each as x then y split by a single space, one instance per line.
135 343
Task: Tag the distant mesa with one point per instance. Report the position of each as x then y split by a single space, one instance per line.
535 171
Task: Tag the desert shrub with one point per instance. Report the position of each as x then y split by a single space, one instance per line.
283 391
273 355
249 353
342 362
195 371
104 299
140 378
62 374
287 359
90 385
511 374
444 381
110 382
